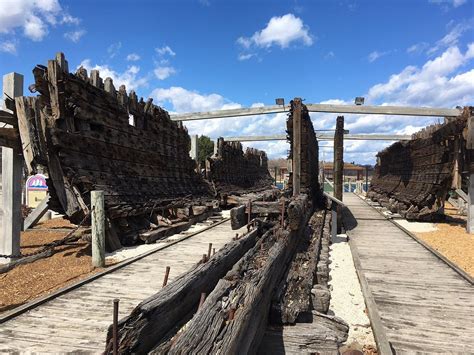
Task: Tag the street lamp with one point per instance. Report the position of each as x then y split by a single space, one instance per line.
359 100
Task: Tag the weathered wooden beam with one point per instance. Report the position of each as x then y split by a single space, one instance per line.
36 214
324 137
12 167
9 137
322 335
296 146
234 316
153 318
8 118
355 109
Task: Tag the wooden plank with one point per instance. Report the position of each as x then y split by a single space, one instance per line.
417 296
36 214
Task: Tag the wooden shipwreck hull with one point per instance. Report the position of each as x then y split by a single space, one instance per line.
234 171
413 178
90 136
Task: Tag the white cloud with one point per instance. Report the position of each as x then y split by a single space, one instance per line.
376 55
454 3
247 56
280 31
133 57
71 20
451 38
8 47
166 50
114 49
329 55
74 36
164 72
417 48
129 77
33 17
435 84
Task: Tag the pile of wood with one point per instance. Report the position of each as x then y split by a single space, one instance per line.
248 285
234 172
413 178
309 153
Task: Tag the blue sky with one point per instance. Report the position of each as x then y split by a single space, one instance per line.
201 55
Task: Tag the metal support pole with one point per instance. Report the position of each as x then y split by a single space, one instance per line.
12 167
115 326
167 274
296 145
98 228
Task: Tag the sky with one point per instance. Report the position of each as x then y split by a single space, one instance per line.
201 55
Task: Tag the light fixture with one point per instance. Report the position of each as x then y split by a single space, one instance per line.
359 100
280 102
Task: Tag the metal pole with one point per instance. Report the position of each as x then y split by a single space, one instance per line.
98 228
167 273
115 326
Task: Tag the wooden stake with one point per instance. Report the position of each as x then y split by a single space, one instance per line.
98 228
209 251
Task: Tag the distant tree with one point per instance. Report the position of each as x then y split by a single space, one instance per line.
205 148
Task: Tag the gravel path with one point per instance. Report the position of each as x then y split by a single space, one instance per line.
347 301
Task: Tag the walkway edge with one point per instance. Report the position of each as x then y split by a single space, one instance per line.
383 345
440 256
33 304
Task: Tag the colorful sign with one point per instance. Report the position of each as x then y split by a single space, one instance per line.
36 182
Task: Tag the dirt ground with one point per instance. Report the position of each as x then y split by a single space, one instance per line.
452 240
69 264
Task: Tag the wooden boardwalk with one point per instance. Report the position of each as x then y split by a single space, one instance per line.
78 320
423 304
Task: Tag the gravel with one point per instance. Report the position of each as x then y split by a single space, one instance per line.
347 301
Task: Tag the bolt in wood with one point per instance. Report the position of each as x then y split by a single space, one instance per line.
115 326
167 273
204 258
213 251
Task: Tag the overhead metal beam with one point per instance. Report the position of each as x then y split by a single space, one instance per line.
355 109
323 137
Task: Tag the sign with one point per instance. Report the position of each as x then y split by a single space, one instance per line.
36 182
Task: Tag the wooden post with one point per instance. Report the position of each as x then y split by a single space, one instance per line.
338 157
339 166
296 146
98 228
194 147
470 166
12 166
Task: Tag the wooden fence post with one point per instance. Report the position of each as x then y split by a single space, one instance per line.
470 166
12 167
339 166
296 154
98 228
194 147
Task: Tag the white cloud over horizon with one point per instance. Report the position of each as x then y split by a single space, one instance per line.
74 36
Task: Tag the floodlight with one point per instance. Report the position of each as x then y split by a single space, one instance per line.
280 101
359 100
